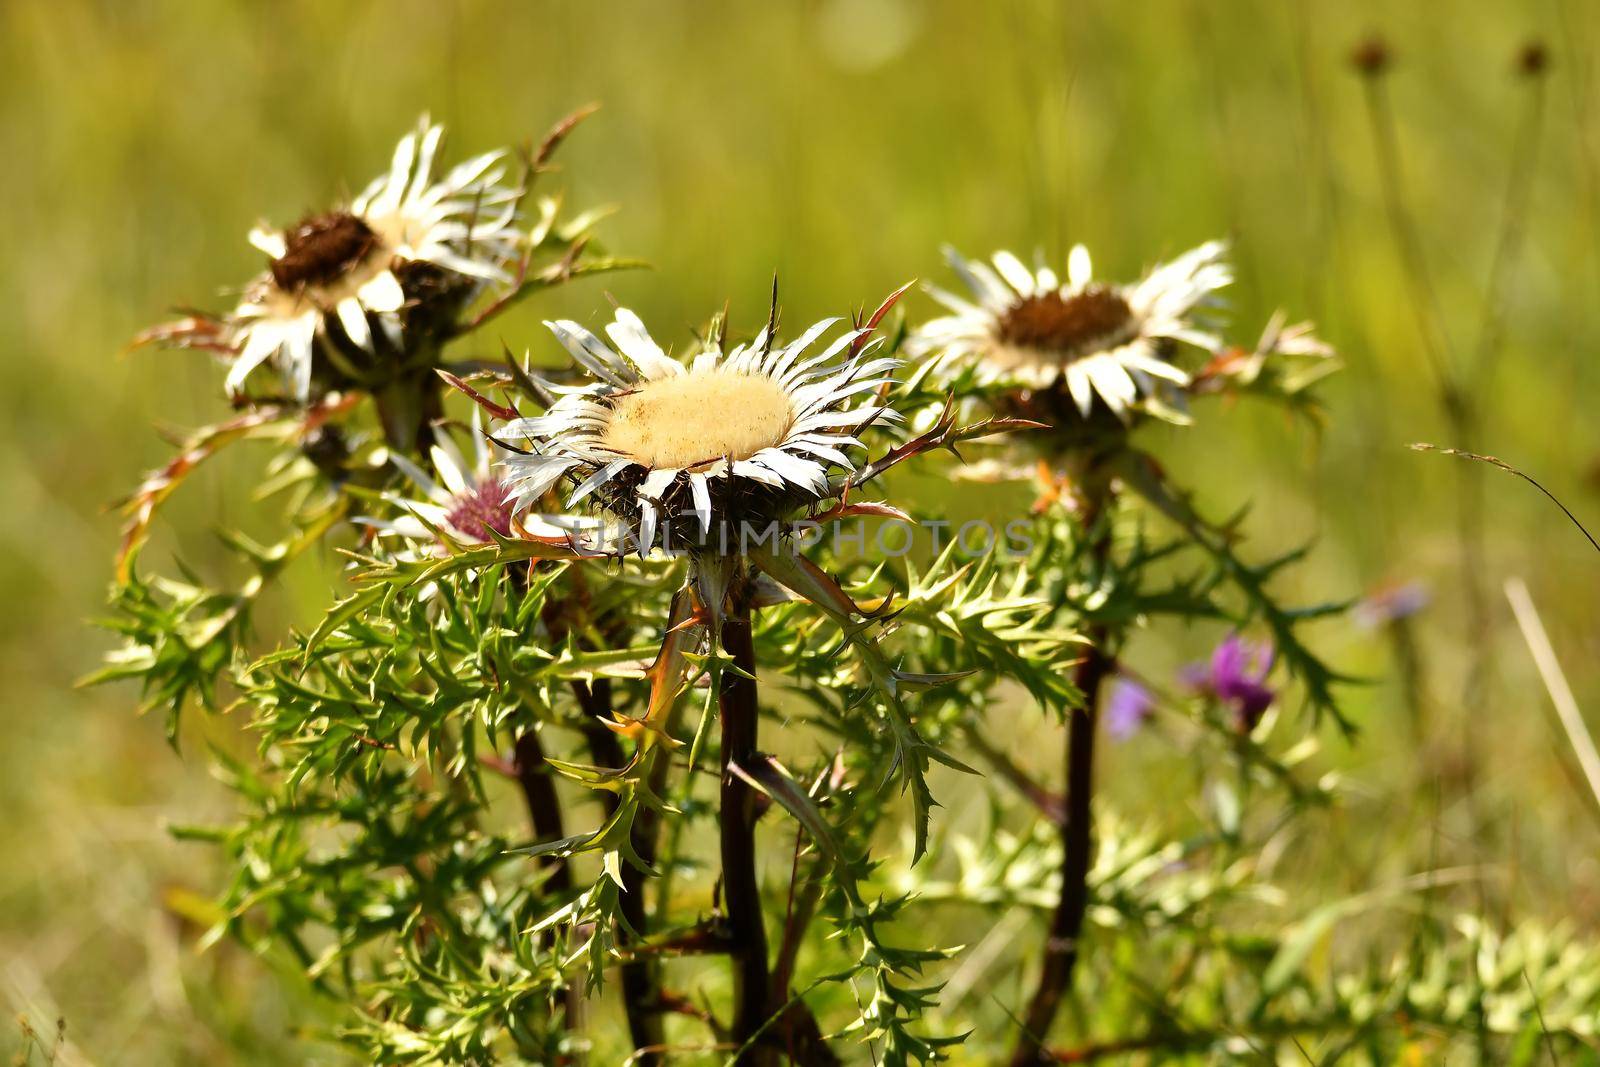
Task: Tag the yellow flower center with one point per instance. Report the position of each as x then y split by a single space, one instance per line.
695 419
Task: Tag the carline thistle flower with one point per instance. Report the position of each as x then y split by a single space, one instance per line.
1097 340
467 502
745 435
346 270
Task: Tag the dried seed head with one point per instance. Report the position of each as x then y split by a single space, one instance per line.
1533 59
1371 56
684 421
1085 321
320 249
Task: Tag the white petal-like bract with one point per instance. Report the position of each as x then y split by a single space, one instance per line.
1096 340
750 432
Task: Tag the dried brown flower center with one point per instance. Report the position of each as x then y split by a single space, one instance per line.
321 249
681 422
1093 318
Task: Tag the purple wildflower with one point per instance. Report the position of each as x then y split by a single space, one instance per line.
1390 603
1236 675
1128 705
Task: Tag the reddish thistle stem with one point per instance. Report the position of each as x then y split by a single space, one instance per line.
1077 830
741 892
1077 845
796 1038
544 806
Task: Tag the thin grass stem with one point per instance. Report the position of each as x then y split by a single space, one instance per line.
1555 682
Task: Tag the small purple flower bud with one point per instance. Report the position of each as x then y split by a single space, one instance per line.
1127 707
1237 676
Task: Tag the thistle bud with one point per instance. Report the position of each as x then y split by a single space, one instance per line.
1533 59
1371 56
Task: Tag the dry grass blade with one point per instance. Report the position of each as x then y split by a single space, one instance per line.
1555 682
1422 446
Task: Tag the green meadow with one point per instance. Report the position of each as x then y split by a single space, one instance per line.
1445 217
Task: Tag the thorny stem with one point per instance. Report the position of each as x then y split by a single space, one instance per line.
756 1000
544 806
741 893
1077 839
409 405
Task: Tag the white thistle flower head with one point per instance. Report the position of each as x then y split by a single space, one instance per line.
347 266
1094 339
745 435
464 500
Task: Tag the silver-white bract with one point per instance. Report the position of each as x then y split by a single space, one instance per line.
1099 339
775 415
464 501
1279 338
459 502
464 223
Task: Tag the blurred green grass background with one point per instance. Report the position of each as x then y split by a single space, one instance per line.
838 143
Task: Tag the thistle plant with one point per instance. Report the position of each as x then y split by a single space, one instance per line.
713 457
598 721
1085 363
535 600
539 596
352 313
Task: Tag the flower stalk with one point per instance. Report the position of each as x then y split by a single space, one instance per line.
1061 949
738 720
405 407
769 1025
544 805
